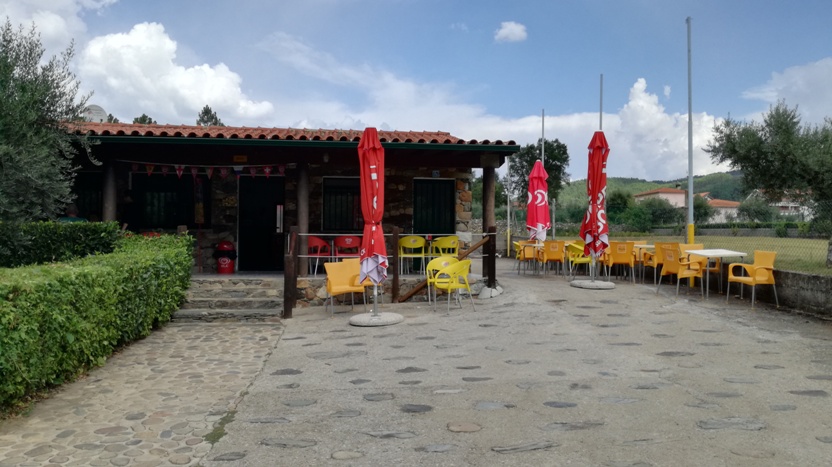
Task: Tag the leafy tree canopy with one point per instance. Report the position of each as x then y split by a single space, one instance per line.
144 120
208 117
702 211
111 119
780 155
521 163
757 210
39 103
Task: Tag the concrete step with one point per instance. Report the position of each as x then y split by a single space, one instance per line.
212 282
235 292
228 315
231 303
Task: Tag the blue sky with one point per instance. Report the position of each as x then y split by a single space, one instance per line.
478 69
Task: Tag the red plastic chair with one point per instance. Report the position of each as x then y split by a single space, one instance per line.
347 246
317 248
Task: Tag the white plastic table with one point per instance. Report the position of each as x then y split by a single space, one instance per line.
713 254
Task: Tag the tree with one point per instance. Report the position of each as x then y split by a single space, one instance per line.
617 202
208 117
662 212
702 211
557 158
144 120
757 210
111 119
39 105
780 156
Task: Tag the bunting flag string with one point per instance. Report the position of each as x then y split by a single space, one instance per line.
237 170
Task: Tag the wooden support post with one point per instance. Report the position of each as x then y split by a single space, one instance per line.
303 216
491 258
395 265
290 274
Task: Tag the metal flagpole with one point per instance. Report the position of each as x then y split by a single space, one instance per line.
690 144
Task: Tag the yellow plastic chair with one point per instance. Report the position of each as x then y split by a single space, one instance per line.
713 267
526 253
445 246
435 265
553 251
342 278
620 253
655 259
674 264
758 273
412 247
575 255
454 278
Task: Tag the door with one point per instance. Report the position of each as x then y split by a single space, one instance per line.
260 243
434 203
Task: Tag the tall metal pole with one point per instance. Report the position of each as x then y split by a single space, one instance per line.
507 189
601 108
690 142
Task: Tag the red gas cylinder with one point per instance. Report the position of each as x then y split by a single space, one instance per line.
225 254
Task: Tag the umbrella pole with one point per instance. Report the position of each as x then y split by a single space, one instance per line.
592 268
375 314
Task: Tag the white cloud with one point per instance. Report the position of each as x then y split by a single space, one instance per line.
806 85
459 27
57 21
510 31
666 91
137 73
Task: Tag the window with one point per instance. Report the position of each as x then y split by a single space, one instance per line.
434 206
342 205
169 201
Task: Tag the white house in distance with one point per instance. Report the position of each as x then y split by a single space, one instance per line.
786 206
723 209
674 196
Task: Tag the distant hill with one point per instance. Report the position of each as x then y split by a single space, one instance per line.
723 185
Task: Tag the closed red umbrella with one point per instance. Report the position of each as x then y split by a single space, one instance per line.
373 251
538 220
594 228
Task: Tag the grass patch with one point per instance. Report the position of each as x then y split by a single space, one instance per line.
219 430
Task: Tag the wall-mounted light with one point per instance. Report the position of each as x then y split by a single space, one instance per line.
326 158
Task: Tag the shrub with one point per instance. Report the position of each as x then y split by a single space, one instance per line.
46 242
58 320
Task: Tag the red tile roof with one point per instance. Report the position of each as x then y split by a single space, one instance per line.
661 190
291 134
723 203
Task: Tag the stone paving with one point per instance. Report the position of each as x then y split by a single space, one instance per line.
544 374
151 404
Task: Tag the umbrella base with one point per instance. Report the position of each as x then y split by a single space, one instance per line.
594 285
381 319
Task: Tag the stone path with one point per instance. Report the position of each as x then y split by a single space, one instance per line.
544 374
152 404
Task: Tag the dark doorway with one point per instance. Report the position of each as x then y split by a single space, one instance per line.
434 206
260 242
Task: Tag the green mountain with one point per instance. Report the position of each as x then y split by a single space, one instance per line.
723 185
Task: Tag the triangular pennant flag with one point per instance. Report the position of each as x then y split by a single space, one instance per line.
209 171
179 170
252 171
165 170
194 171
134 167
223 172
267 170
281 169
149 168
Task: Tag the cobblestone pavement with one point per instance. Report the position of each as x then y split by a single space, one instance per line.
151 404
544 374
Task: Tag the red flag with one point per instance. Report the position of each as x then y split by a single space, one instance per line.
252 171
165 170
267 170
223 172
194 171
281 169
134 167
209 171
179 170
149 168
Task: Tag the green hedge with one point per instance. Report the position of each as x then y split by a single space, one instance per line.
46 242
61 319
